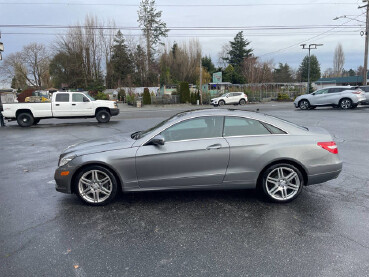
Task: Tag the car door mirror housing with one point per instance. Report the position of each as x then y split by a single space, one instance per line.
157 140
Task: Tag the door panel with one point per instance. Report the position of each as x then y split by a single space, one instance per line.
81 105
319 97
182 163
61 106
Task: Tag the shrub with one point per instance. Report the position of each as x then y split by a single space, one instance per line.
184 93
121 95
194 97
131 99
283 97
146 97
101 96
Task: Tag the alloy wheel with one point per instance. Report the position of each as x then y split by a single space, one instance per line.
282 183
346 104
95 186
304 105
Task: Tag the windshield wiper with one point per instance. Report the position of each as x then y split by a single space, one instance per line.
136 135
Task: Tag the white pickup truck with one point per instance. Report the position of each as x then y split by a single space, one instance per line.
62 105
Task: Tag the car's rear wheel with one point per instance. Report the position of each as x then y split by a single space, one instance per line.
221 103
96 185
242 102
346 104
25 119
282 183
304 105
103 116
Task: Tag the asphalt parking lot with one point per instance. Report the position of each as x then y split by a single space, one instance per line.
325 232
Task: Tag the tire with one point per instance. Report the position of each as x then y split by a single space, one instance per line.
103 116
242 102
304 104
345 104
278 187
95 191
25 119
36 121
221 103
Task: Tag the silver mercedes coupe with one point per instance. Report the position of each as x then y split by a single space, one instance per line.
202 149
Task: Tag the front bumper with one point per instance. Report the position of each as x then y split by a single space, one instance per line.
114 112
64 183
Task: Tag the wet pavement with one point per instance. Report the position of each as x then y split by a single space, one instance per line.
325 232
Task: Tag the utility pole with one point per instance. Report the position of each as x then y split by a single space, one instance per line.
310 47
365 77
200 81
1 48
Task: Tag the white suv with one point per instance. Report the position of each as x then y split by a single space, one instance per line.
230 98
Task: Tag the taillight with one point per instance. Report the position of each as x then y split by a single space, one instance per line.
356 92
330 146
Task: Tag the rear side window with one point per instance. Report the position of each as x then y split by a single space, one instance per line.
273 129
238 126
62 97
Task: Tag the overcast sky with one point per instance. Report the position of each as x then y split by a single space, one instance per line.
208 13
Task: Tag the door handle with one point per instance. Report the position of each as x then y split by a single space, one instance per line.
73 104
214 146
57 104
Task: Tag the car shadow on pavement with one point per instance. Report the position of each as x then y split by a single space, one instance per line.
68 124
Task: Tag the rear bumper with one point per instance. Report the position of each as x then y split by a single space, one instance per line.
334 171
114 112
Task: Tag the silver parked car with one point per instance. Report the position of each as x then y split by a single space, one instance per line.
203 149
339 96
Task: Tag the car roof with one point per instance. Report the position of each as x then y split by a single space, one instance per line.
348 87
278 122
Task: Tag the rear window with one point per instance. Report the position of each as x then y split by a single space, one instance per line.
239 126
62 97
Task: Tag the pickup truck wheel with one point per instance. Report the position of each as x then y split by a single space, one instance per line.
36 121
25 119
103 116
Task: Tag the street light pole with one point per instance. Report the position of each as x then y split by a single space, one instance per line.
365 77
310 47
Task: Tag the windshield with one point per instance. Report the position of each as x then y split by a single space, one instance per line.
90 97
224 95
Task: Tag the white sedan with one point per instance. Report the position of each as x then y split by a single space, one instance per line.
230 98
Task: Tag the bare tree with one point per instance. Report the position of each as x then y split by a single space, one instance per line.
31 65
338 60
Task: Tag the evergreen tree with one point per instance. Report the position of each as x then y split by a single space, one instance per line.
282 74
146 97
121 60
184 92
208 64
314 69
238 51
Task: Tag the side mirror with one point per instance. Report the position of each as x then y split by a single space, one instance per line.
157 140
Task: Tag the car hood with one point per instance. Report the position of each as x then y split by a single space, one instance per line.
216 98
120 141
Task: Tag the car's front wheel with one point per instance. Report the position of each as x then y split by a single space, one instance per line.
103 116
221 103
96 185
282 183
304 105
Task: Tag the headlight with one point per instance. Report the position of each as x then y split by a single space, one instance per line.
66 160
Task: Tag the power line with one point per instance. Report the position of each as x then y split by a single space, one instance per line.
309 39
176 5
188 28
